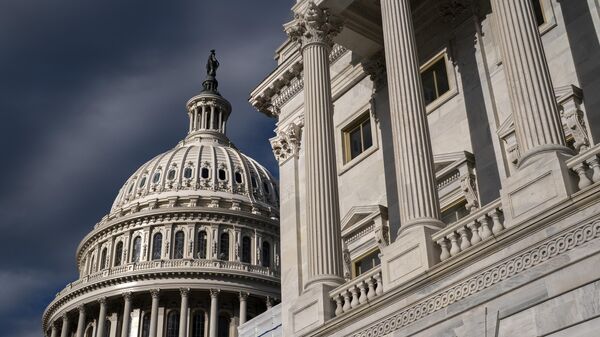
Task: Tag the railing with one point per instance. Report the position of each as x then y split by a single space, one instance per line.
586 166
168 264
357 292
470 231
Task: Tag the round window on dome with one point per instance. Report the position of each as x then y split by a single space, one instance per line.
171 174
204 173
187 173
222 174
156 178
238 177
143 182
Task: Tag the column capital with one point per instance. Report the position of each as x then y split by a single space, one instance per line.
184 292
65 317
127 295
81 308
214 293
244 295
287 142
154 293
102 300
315 26
375 68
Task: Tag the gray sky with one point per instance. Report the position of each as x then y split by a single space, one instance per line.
89 91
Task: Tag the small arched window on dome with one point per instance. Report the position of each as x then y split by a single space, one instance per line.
171 174
222 174
266 187
201 245
238 177
118 253
137 249
173 323
187 173
103 258
156 177
198 323
224 247
91 269
246 249
266 254
179 243
204 173
253 180
224 323
142 182
157 246
131 186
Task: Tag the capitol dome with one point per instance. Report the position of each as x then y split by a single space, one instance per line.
189 247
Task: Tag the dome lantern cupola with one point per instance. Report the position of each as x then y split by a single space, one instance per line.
208 111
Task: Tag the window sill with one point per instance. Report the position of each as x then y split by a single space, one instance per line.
441 100
347 166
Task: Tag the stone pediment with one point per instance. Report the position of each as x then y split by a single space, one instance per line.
358 216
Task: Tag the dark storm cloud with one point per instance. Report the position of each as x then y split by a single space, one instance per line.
89 90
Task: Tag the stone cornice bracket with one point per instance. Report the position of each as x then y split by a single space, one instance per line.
154 293
287 143
315 26
375 68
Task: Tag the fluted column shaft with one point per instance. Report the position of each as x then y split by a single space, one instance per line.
214 302
101 317
126 314
64 332
183 313
417 189
81 322
154 313
243 307
314 31
536 117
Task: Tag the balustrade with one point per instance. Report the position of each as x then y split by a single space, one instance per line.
586 166
357 292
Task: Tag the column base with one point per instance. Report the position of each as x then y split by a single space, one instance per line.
412 254
541 182
311 310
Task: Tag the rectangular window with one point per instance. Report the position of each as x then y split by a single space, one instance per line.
454 213
539 12
366 263
435 80
357 137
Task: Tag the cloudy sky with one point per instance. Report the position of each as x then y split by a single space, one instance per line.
90 90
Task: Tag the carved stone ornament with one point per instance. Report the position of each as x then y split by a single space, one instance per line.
375 68
467 184
287 143
315 26
347 264
214 293
452 9
154 293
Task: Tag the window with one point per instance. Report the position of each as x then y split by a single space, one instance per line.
103 259
202 245
246 249
156 177
266 254
224 247
143 182
266 187
222 174
171 174
137 249
238 177
179 242
253 180
435 80
204 173
539 12
173 323
366 263
107 329
198 324
92 265
224 322
156 246
357 137
146 325
454 213
118 253
131 188
187 173
89 331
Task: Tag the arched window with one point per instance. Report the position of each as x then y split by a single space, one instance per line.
118 253
146 325
137 249
91 270
224 247
173 323
89 331
187 173
202 245
198 324
103 258
253 181
107 329
222 174
204 173
246 249
156 246
156 177
224 322
143 182
179 243
266 254
171 174
238 177
266 187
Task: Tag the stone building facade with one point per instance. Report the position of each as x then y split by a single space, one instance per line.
190 247
438 168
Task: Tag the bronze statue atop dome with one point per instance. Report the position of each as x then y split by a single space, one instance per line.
212 64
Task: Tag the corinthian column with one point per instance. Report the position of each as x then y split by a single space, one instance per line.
101 317
81 321
417 189
53 331
183 312
538 126
314 31
243 307
126 314
64 332
214 298
154 312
